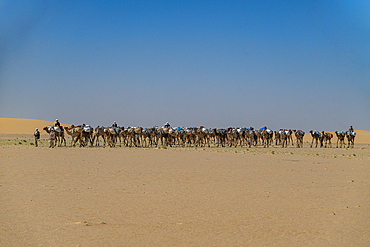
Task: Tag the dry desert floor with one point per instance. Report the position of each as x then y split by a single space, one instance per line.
183 196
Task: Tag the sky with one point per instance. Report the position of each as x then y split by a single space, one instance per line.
281 64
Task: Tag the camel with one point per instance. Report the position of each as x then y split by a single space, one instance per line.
316 136
327 138
351 138
190 136
99 132
87 135
221 137
59 135
284 137
247 137
290 138
146 139
266 137
277 137
340 138
202 136
74 132
181 136
112 133
299 134
132 136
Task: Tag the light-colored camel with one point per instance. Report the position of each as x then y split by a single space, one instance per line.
340 138
290 137
75 133
99 132
112 133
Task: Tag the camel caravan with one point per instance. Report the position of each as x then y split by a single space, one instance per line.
166 135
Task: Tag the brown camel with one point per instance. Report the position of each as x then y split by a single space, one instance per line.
284 136
266 137
145 137
87 135
299 134
290 137
351 138
222 135
59 135
316 136
190 136
112 133
277 137
340 138
327 138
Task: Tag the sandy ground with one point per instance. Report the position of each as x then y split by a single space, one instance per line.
183 196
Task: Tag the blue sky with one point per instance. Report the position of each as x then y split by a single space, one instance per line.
283 64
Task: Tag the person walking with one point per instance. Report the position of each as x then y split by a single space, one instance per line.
37 136
51 138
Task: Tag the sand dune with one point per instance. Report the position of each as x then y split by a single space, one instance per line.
23 126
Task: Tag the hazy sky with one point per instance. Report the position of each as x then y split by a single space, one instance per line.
284 64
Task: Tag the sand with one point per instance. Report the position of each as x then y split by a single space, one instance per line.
183 196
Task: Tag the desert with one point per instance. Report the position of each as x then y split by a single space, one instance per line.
181 196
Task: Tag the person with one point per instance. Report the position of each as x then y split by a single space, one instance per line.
51 138
167 125
37 136
114 125
57 124
351 129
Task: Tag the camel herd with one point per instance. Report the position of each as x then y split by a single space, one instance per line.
193 136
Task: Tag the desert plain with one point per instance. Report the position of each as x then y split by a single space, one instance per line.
94 196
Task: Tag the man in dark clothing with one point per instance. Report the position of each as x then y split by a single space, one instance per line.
57 123
37 136
114 125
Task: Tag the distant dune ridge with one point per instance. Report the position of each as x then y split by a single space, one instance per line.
23 126
27 126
